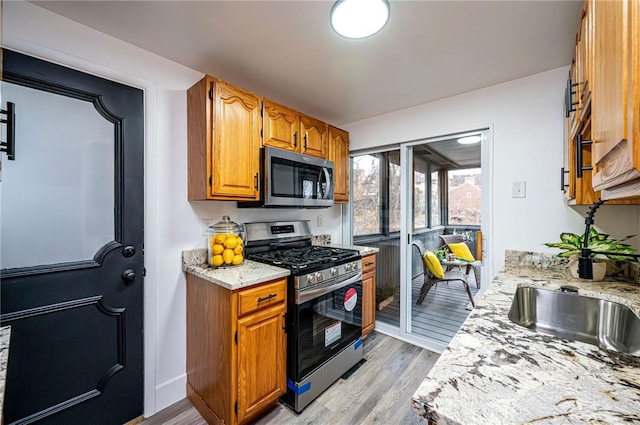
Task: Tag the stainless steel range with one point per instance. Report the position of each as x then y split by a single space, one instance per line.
324 307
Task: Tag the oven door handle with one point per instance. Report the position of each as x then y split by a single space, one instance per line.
304 296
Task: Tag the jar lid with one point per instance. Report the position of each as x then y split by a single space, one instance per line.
226 225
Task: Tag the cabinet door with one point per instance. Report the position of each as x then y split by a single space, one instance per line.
339 154
368 302
235 153
261 360
314 136
612 94
281 126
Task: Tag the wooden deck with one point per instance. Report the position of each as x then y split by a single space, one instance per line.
441 314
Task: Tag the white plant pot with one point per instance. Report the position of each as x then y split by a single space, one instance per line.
599 267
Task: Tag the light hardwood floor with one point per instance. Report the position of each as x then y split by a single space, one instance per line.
379 392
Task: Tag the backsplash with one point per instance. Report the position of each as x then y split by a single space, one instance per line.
321 239
625 271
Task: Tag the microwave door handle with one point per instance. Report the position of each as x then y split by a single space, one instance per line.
324 194
304 296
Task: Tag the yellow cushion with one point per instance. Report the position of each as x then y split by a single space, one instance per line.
433 264
461 250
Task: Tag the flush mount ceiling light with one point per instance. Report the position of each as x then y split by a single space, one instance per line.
359 18
469 140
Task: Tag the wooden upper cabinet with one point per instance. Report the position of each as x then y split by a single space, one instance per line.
615 98
223 141
314 135
339 154
281 126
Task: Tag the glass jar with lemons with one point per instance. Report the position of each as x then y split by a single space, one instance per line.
225 243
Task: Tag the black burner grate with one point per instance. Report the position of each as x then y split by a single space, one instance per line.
305 257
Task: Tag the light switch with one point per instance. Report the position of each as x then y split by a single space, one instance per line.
519 190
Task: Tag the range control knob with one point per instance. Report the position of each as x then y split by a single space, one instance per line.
319 277
348 267
355 266
311 278
335 271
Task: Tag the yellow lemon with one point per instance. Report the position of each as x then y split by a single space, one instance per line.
239 239
238 249
212 241
216 260
217 249
237 259
220 238
227 256
231 242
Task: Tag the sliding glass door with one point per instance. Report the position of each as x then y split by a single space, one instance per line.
407 201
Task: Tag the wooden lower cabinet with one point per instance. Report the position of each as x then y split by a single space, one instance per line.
368 294
236 349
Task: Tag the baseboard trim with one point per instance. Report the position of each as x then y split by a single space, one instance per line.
170 392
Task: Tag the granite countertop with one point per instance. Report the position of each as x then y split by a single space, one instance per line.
495 371
250 272
364 250
247 274
5 336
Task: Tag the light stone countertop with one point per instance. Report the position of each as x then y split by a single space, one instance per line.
247 274
364 250
5 336
496 372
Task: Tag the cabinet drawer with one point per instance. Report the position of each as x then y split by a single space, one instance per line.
261 296
369 263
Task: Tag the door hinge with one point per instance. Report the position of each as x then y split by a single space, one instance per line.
211 94
235 407
144 271
236 338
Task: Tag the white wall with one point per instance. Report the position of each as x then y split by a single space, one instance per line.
171 223
526 118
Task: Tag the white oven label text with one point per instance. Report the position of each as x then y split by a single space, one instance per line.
332 333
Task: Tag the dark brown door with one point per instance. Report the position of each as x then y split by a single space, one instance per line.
72 247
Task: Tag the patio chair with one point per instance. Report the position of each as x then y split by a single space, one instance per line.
430 270
476 265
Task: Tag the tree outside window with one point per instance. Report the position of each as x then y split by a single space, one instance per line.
366 195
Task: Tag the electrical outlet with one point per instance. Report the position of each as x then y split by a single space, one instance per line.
204 224
320 221
519 190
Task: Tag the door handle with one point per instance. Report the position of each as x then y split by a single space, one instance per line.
10 145
128 276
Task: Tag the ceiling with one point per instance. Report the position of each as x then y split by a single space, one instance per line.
286 51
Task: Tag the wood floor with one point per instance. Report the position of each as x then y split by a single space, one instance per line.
441 314
379 392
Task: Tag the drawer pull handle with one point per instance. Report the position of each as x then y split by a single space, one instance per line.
368 264
268 297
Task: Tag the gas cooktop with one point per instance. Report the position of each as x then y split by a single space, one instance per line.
306 257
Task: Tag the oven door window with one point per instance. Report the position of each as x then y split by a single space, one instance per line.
290 179
326 325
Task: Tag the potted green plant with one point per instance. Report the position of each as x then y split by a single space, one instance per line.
384 296
441 252
604 247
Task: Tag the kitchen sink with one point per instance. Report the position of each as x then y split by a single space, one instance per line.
605 324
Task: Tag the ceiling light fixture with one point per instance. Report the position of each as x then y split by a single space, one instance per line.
359 18
469 140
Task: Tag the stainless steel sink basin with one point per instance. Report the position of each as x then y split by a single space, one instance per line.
603 323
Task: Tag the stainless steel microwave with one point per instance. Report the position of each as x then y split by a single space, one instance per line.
290 179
